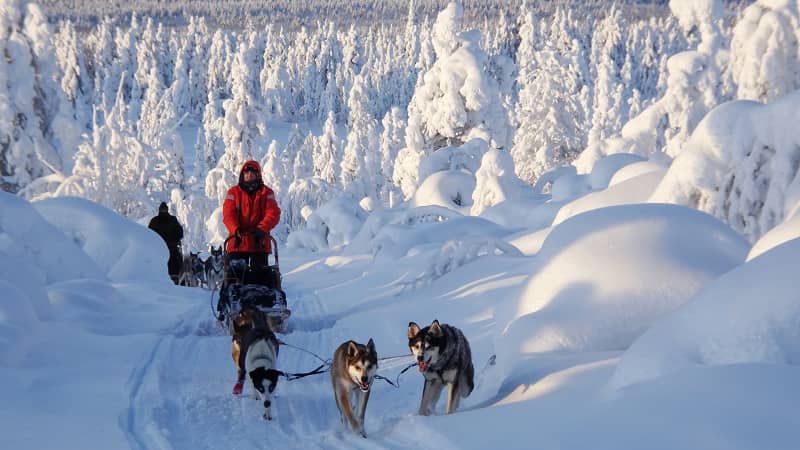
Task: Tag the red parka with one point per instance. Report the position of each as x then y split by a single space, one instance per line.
246 212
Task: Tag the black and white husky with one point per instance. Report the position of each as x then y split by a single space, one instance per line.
214 268
444 358
259 362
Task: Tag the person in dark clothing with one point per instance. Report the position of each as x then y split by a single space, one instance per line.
168 227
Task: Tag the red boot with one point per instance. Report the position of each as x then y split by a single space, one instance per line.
237 388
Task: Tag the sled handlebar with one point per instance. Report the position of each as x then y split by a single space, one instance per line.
250 233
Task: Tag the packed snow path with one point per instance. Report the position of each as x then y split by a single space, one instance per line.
181 394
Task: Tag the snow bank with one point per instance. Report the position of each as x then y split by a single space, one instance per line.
124 250
786 231
26 238
636 190
606 167
604 276
636 169
749 315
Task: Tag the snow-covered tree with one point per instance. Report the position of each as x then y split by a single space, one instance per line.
391 141
25 112
328 150
456 100
359 159
244 129
765 51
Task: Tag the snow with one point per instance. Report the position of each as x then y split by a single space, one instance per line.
739 165
603 277
747 316
595 324
616 303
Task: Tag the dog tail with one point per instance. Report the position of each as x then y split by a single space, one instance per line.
469 375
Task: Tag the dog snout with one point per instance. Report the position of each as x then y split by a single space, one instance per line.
364 378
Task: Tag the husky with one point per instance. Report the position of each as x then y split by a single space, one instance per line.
243 323
444 357
261 354
214 268
352 372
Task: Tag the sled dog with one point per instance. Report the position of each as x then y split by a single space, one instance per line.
214 268
444 358
243 323
261 347
352 372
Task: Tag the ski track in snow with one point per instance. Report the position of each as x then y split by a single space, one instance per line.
181 393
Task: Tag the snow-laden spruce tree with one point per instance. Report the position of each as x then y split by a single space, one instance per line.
496 182
608 53
244 128
197 43
391 141
26 115
455 101
275 78
765 51
552 100
272 171
113 167
327 156
60 127
359 159
695 84
76 84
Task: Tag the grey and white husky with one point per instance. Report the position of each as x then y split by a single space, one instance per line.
444 358
214 268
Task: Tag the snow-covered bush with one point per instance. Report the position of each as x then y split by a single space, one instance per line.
333 224
603 277
739 165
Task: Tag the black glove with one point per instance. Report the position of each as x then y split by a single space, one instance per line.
259 234
221 317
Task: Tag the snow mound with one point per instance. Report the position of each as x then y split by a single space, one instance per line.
448 188
636 169
605 168
636 190
786 231
27 239
604 276
749 315
124 250
18 320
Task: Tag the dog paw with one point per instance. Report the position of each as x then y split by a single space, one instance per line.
267 416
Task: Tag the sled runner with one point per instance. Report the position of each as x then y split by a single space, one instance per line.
255 282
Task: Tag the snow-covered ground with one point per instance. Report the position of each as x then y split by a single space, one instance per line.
625 327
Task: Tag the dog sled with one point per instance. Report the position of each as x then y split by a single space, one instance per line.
257 283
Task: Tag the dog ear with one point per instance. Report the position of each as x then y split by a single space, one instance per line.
371 346
352 349
436 329
413 330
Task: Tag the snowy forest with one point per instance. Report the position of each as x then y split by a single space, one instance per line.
357 108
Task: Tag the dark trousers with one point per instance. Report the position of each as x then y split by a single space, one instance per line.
174 263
